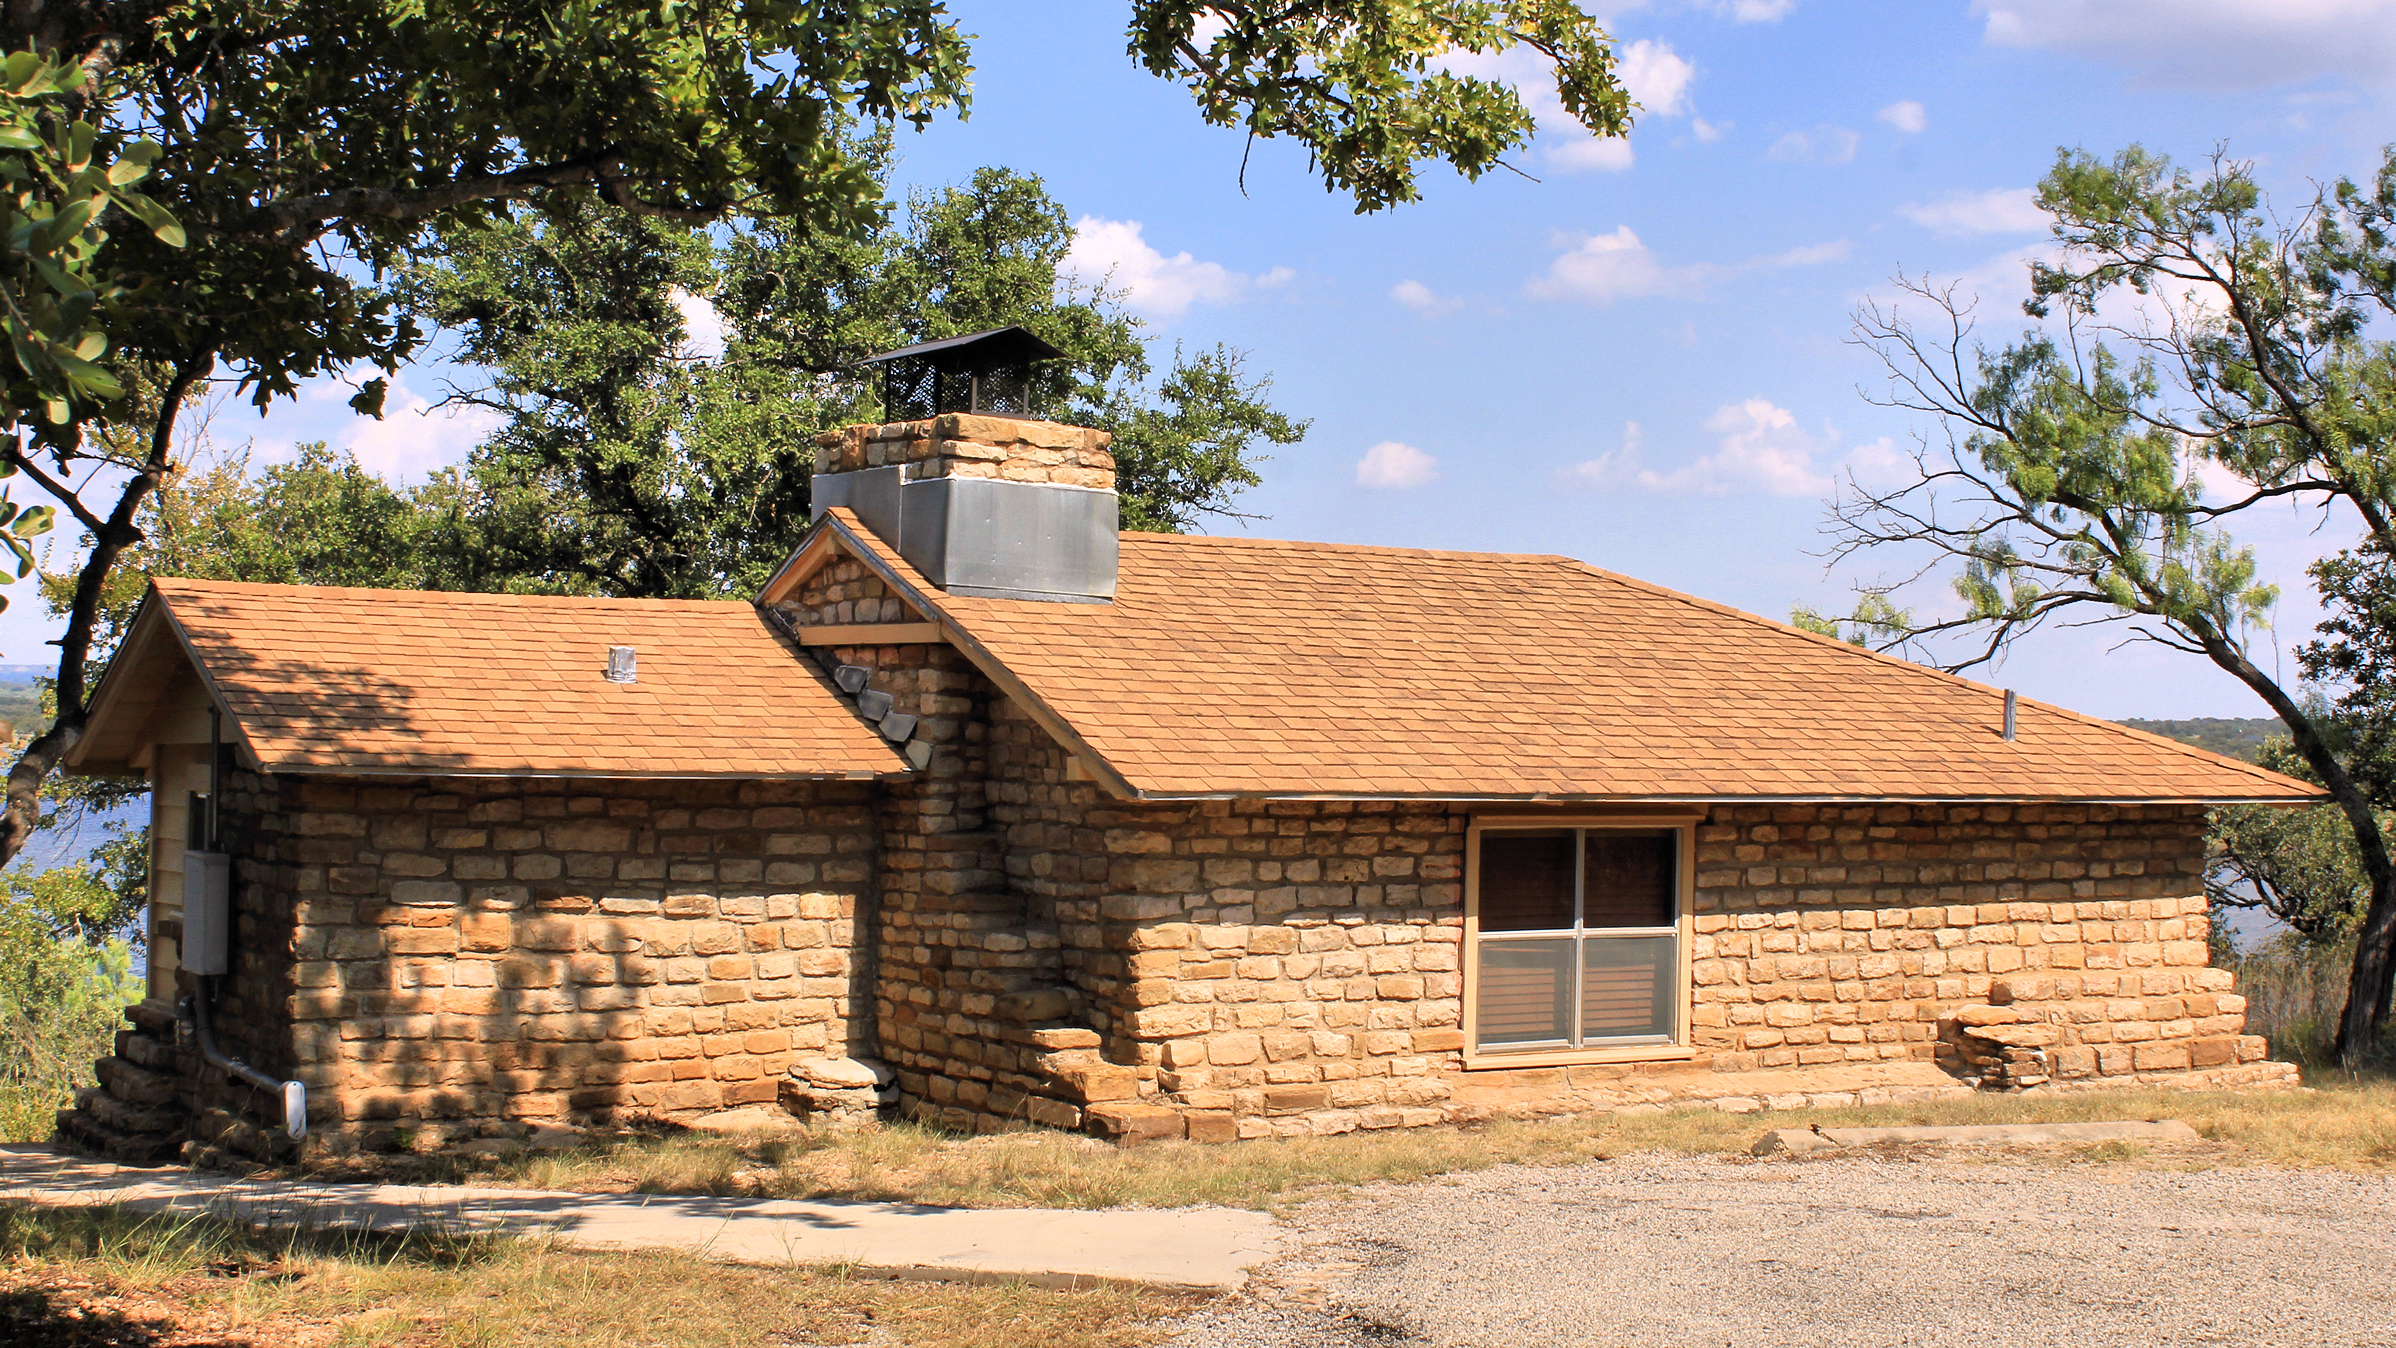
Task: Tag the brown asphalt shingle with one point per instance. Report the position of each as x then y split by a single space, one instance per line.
1253 666
328 679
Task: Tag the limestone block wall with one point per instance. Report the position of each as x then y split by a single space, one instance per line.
477 956
1842 934
1260 966
958 444
1294 967
969 1007
847 592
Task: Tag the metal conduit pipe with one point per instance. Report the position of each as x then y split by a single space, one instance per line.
294 1094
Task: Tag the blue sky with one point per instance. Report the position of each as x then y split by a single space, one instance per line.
1639 359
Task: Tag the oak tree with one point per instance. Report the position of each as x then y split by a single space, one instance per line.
212 190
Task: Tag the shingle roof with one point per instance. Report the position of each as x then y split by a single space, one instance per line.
1249 666
331 679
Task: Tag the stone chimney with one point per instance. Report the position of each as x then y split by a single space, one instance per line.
999 506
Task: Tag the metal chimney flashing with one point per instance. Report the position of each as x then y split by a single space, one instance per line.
1031 540
987 537
872 492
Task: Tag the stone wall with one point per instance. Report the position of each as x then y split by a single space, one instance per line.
970 1010
469 957
958 444
1252 962
1294 967
1830 934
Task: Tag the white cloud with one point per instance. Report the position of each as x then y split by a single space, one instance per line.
415 437
1652 72
1604 268
1393 465
1611 468
1812 255
1752 11
1609 267
1612 154
1706 131
1879 463
2006 210
702 325
1656 76
1759 447
2209 44
1113 252
1422 298
1824 144
1905 115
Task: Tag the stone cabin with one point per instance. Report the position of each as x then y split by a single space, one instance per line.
988 815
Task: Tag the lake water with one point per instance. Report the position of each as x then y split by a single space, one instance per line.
62 847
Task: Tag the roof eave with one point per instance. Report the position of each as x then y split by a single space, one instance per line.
151 617
542 773
1576 798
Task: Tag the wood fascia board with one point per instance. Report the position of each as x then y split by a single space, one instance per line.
240 738
871 634
308 769
1531 801
120 696
805 560
1101 771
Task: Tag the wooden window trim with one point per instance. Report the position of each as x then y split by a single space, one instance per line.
1684 826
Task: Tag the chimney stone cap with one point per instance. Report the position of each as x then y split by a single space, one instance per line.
964 444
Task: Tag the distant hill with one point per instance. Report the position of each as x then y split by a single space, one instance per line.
2230 736
25 673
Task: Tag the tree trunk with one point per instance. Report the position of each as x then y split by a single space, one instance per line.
2368 987
22 812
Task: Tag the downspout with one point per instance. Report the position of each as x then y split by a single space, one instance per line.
293 1093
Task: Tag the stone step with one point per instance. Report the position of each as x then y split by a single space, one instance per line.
142 1049
136 1085
127 1118
158 1020
81 1133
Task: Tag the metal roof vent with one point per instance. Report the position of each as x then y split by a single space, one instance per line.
989 373
623 665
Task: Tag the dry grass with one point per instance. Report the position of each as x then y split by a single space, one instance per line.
90 1277
2342 1126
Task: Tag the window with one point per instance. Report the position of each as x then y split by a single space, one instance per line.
1577 939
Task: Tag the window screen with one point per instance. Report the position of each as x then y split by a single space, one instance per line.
1578 938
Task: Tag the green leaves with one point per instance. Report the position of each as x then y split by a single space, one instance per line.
631 464
1361 84
58 292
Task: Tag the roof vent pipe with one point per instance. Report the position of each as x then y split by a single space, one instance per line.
623 665
2010 700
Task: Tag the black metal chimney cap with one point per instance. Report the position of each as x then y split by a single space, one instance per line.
989 373
976 351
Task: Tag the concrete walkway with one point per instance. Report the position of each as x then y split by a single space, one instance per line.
1183 1249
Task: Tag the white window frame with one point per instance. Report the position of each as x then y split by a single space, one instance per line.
1683 930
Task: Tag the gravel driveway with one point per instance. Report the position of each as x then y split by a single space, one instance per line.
1849 1253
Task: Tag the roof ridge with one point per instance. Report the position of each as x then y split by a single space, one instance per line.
1918 669
198 585
1313 545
